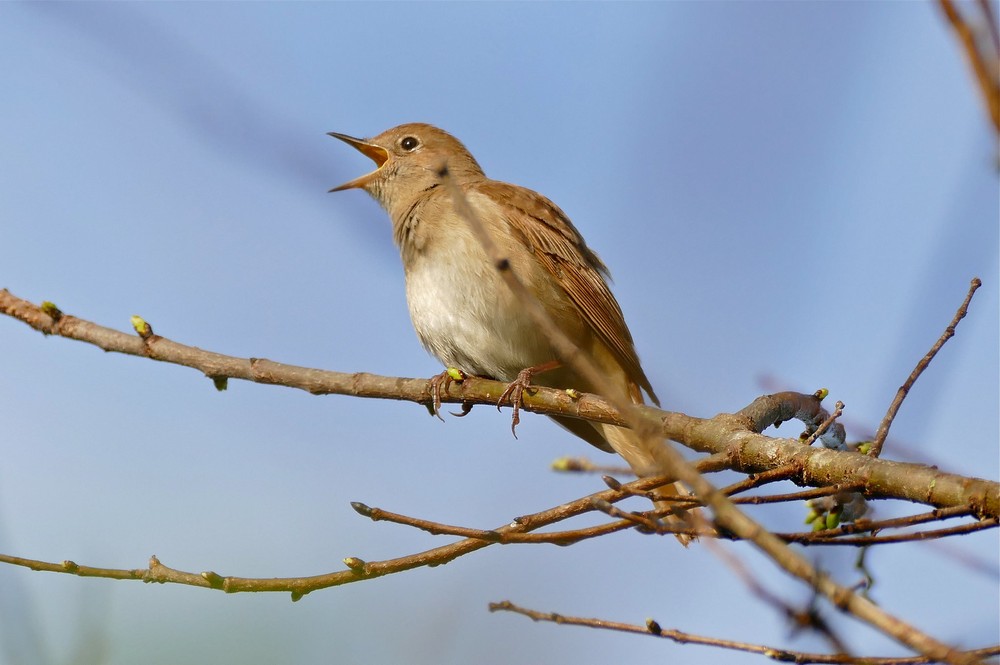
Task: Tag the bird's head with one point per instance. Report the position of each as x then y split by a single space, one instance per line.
409 160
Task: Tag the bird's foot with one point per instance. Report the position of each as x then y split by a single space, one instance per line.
439 384
514 393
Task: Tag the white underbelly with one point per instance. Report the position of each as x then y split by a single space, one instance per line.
469 319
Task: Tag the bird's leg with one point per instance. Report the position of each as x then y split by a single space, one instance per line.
441 382
515 390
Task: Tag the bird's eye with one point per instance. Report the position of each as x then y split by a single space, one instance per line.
409 143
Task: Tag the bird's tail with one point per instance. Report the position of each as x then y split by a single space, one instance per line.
643 461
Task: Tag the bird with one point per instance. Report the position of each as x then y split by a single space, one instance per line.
463 312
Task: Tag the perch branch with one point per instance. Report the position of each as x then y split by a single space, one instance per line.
737 436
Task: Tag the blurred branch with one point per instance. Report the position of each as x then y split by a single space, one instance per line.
808 618
981 44
653 629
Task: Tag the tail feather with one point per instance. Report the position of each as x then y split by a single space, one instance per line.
643 462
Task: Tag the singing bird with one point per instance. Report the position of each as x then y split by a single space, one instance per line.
463 311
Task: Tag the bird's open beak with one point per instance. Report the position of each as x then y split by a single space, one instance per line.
377 154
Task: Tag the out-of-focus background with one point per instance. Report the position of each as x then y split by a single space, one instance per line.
788 195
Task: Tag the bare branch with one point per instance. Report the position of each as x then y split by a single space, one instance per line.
795 496
734 436
653 629
754 480
358 569
982 57
838 411
819 538
949 332
604 501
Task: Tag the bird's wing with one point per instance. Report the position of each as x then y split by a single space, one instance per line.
560 248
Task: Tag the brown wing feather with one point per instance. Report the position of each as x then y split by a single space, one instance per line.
562 251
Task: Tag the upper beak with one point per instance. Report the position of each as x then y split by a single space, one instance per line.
377 154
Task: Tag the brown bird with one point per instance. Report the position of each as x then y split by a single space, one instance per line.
463 311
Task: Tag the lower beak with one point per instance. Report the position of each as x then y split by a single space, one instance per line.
377 154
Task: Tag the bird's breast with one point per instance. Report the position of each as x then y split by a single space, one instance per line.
464 313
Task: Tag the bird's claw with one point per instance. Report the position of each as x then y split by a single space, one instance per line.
514 393
466 409
440 383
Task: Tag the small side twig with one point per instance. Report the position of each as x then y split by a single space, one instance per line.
949 332
838 411
783 472
818 538
795 496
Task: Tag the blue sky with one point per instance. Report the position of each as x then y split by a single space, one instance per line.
789 195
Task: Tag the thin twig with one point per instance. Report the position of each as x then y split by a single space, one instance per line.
755 480
815 538
653 629
949 332
794 496
602 502
838 411
986 566
868 525
818 538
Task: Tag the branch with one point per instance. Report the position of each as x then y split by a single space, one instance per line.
820 538
949 332
652 628
737 436
982 57
734 435
603 502
358 569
